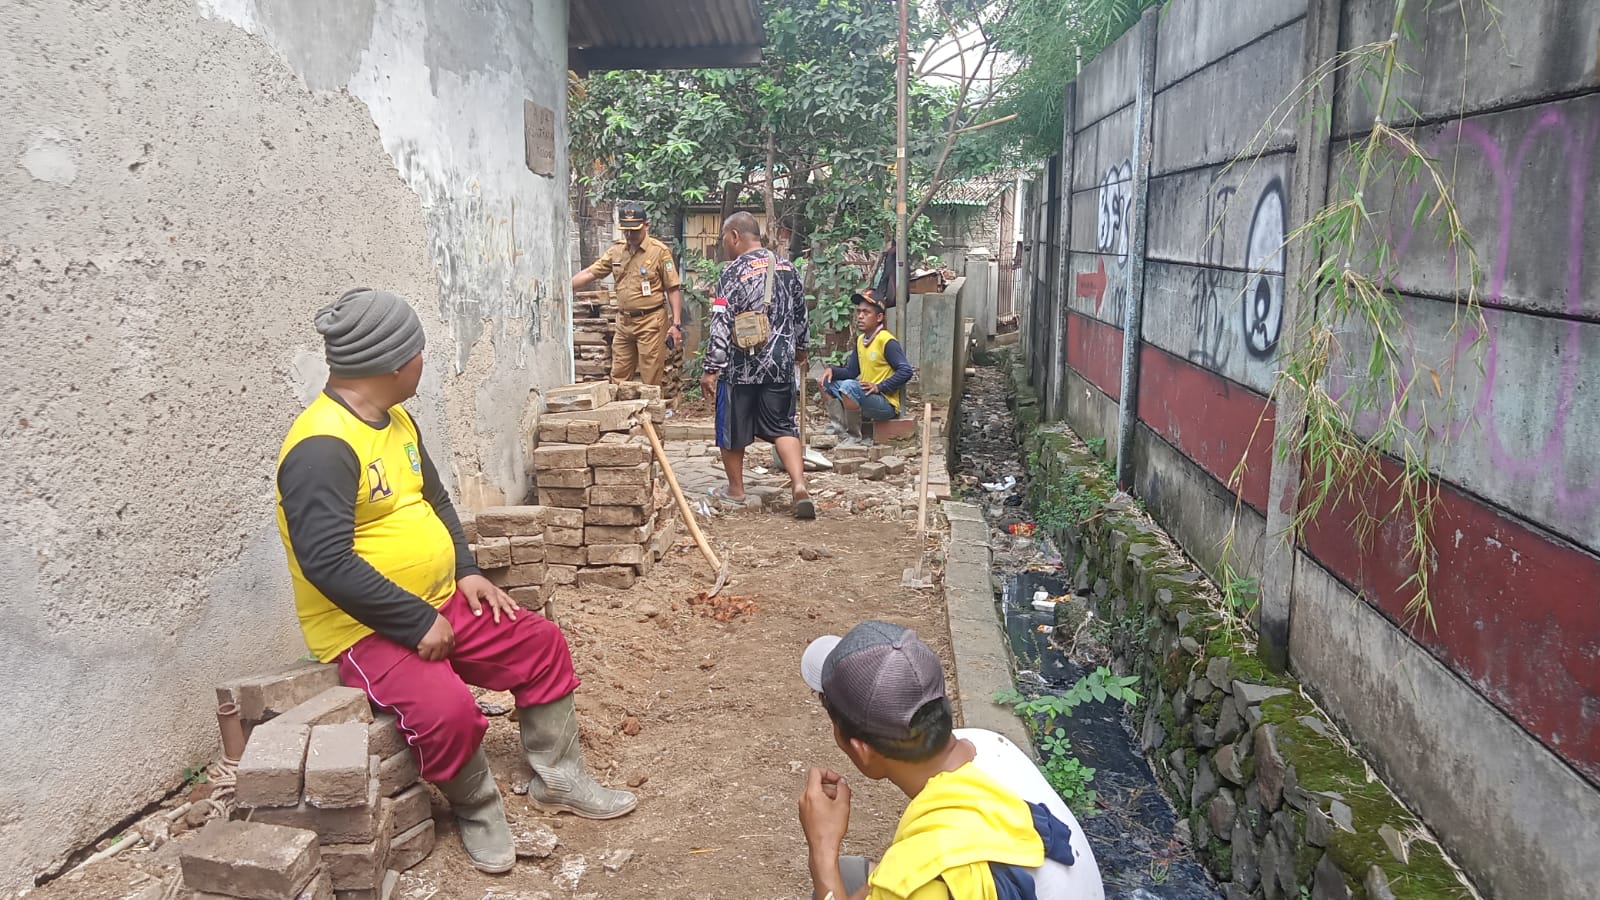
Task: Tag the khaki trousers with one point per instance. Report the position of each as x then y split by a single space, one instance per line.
640 344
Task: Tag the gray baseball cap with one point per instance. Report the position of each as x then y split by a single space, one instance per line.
878 675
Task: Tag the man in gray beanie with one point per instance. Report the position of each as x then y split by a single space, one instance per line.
386 586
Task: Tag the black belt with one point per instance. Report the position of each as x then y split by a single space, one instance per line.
636 313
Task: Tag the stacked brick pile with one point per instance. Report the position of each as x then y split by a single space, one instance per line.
325 765
594 322
596 523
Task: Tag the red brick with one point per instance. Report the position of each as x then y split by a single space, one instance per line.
352 825
265 696
616 515
617 554
249 859
639 475
412 846
270 769
565 478
398 772
557 554
504 521
588 395
361 866
332 706
493 552
384 738
617 534
566 498
411 807
618 577
561 537
620 495
337 766
518 576
527 549
560 574
560 456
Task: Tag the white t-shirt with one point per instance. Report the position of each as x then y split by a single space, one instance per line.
1004 762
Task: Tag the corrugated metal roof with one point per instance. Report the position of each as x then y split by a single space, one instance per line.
973 191
643 34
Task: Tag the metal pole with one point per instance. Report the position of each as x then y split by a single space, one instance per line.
901 227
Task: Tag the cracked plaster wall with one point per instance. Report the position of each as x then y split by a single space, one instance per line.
183 186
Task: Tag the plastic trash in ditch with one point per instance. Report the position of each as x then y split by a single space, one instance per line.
1007 484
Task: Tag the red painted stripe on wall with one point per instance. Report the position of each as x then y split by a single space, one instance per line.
1094 350
1517 612
1211 419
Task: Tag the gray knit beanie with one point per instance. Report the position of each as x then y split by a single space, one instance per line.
368 333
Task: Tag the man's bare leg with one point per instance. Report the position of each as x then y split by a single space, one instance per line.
733 464
793 458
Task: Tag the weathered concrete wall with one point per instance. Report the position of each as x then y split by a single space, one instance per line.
183 188
1510 654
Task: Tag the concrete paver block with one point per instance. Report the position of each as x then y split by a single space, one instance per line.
639 475
518 576
270 769
559 555
384 737
562 518
587 395
552 431
332 706
493 552
337 766
617 554
616 515
412 846
390 881
616 534
620 495
566 498
265 696
566 478
398 772
619 454
583 431
411 807
561 574
873 471
361 866
251 860
353 824
618 577
320 888
619 416
527 549
559 456
511 521
562 537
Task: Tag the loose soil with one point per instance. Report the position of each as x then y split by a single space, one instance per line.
725 727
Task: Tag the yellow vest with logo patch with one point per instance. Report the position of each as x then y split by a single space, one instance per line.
396 529
874 362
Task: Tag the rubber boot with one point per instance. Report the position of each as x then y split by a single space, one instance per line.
838 422
475 800
550 740
856 433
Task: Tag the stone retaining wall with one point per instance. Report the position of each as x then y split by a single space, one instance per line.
1278 805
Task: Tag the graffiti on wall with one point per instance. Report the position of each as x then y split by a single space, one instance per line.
1115 208
1225 317
1539 447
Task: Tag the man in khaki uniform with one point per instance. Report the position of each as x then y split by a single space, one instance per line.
650 304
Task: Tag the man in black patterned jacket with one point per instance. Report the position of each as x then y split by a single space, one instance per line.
755 388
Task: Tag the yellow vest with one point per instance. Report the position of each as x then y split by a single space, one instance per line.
396 529
875 363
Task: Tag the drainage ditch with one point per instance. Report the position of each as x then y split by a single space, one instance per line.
1139 842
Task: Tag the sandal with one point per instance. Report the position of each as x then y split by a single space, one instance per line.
719 495
804 508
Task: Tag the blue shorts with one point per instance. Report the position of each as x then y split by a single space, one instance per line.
874 407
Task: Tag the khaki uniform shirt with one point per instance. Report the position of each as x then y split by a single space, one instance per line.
643 278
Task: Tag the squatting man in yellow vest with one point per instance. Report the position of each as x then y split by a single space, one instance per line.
867 387
386 586
649 298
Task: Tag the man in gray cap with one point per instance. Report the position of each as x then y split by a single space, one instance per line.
982 821
386 586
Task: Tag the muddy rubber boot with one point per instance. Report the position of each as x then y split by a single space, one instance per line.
550 740
475 800
838 422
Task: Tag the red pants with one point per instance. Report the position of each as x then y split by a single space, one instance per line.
438 714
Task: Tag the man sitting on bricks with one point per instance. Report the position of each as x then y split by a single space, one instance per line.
385 584
867 387
982 822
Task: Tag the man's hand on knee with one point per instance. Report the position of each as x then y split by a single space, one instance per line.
439 642
481 592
